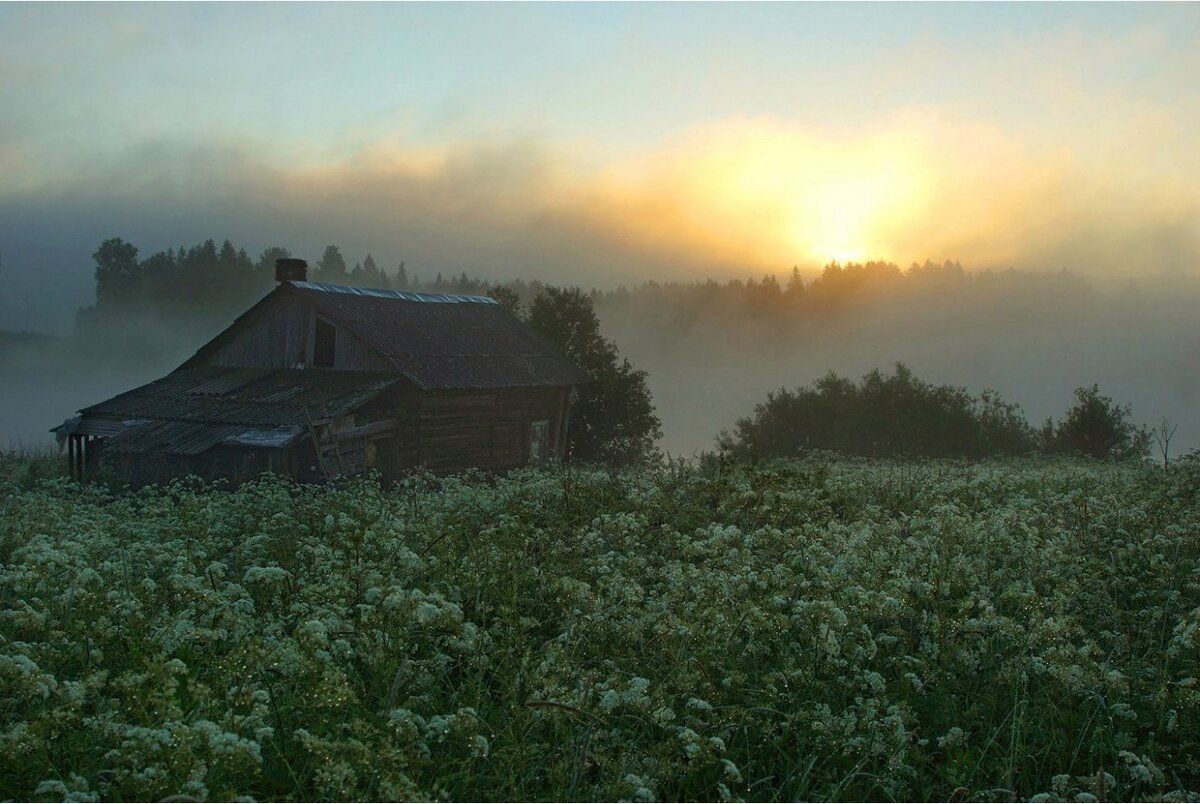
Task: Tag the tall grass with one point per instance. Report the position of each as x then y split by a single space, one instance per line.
24 465
825 629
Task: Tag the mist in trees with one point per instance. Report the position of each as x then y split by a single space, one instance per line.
1097 427
711 350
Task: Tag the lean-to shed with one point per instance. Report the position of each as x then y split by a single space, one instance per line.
320 380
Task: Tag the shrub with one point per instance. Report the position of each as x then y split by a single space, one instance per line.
1096 427
882 416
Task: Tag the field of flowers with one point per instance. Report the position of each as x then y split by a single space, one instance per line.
820 629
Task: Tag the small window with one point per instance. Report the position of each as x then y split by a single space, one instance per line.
539 441
324 344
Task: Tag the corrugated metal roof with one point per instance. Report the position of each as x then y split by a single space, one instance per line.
187 411
230 382
173 438
402 295
445 341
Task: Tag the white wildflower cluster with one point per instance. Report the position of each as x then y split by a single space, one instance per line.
811 629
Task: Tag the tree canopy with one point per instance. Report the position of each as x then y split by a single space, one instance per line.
613 420
1096 427
117 271
899 415
881 416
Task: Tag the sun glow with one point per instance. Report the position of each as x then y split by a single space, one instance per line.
777 193
835 200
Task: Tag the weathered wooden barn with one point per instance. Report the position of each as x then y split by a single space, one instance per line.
319 381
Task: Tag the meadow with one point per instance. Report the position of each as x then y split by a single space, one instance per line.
823 628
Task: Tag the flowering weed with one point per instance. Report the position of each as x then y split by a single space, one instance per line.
810 629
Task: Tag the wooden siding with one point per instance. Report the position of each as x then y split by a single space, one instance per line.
281 336
444 431
351 354
450 431
485 429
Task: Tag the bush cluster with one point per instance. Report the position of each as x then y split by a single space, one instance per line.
902 416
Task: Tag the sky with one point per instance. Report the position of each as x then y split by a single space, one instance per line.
599 143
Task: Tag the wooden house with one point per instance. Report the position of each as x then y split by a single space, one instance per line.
318 381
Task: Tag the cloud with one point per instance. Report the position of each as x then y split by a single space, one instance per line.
736 196
766 193
1067 142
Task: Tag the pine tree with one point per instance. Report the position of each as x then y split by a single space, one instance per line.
332 267
371 276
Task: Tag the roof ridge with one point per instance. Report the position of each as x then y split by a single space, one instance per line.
400 295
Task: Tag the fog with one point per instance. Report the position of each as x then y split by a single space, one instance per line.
713 352
47 381
617 146
1032 338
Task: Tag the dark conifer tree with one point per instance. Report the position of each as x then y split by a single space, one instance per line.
332 267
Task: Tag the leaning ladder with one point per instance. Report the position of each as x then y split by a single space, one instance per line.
325 443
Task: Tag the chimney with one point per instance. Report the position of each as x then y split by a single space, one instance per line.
289 269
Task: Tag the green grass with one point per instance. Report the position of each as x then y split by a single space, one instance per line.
24 467
821 629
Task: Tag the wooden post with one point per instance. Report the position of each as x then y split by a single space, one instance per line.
75 456
560 429
71 456
565 424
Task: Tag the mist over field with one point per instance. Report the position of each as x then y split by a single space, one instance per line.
713 351
1032 338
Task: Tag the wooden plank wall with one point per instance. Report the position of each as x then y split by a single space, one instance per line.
445 431
282 336
488 429
279 337
352 354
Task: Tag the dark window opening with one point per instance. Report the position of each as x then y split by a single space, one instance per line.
323 344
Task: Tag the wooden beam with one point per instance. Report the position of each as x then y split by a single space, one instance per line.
366 430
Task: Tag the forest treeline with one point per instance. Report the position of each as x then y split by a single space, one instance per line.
209 280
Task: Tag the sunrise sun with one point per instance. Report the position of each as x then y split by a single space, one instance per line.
792 191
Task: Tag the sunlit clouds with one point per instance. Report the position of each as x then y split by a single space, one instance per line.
749 195
602 144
